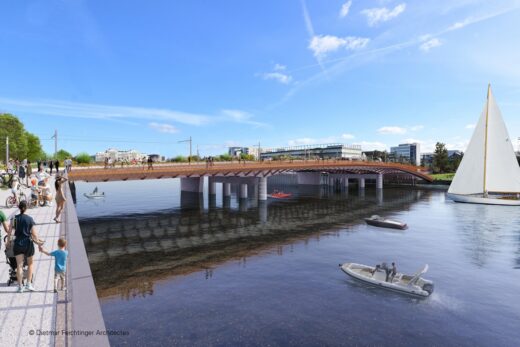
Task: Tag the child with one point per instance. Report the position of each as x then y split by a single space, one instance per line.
60 265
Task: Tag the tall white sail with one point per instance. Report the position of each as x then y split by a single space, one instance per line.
502 170
469 178
488 165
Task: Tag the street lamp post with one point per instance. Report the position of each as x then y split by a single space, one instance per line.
188 140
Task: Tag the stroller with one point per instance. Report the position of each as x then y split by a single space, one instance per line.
11 260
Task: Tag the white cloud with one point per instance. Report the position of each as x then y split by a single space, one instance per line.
345 9
432 43
371 146
239 116
320 45
122 113
470 126
277 76
382 14
417 127
347 136
393 130
105 112
163 128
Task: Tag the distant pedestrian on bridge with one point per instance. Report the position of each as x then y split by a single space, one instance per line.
150 163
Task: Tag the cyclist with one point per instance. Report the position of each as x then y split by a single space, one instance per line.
14 187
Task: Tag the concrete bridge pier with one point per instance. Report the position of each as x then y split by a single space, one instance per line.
345 182
262 189
192 184
379 181
243 191
226 189
212 186
379 196
361 182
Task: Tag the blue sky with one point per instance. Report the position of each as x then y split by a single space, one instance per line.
144 75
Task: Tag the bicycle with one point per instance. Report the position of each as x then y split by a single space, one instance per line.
12 201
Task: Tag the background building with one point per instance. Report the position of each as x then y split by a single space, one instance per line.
407 152
237 151
325 151
117 155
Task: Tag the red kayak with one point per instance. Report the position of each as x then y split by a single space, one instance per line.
280 195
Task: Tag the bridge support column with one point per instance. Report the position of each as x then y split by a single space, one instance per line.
192 184
212 186
379 196
262 211
345 182
226 189
379 181
243 191
262 189
361 182
309 178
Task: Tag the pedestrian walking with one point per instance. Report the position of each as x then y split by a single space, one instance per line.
25 237
60 263
51 165
60 196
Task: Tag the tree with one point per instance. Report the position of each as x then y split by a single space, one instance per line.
63 154
179 159
22 144
83 158
34 148
440 158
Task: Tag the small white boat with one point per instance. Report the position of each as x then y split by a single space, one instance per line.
94 196
412 285
506 200
381 222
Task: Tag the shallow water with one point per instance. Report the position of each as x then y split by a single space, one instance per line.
228 273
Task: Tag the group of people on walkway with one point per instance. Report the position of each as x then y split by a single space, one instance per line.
21 246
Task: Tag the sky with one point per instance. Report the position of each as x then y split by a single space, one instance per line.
147 74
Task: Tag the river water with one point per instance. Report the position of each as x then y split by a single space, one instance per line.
174 271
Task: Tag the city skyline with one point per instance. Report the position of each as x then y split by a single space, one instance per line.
372 73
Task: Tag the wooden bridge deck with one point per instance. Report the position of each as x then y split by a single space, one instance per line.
248 169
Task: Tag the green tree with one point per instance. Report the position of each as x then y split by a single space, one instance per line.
62 155
83 158
440 158
10 126
179 159
34 148
224 157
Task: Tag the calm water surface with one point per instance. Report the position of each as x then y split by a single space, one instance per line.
173 271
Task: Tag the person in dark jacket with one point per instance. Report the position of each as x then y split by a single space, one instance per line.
25 237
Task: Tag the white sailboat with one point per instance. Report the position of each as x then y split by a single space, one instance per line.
489 172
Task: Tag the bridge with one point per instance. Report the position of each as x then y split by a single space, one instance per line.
309 172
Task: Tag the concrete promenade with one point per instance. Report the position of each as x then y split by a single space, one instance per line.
44 318
23 317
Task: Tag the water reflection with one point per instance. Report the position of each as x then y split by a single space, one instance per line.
143 248
483 229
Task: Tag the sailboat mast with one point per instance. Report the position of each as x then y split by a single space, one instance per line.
486 139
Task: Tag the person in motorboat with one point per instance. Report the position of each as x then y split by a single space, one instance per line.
393 272
385 267
376 269
94 192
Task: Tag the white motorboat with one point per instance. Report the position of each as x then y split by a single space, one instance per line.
408 284
381 222
94 195
489 172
